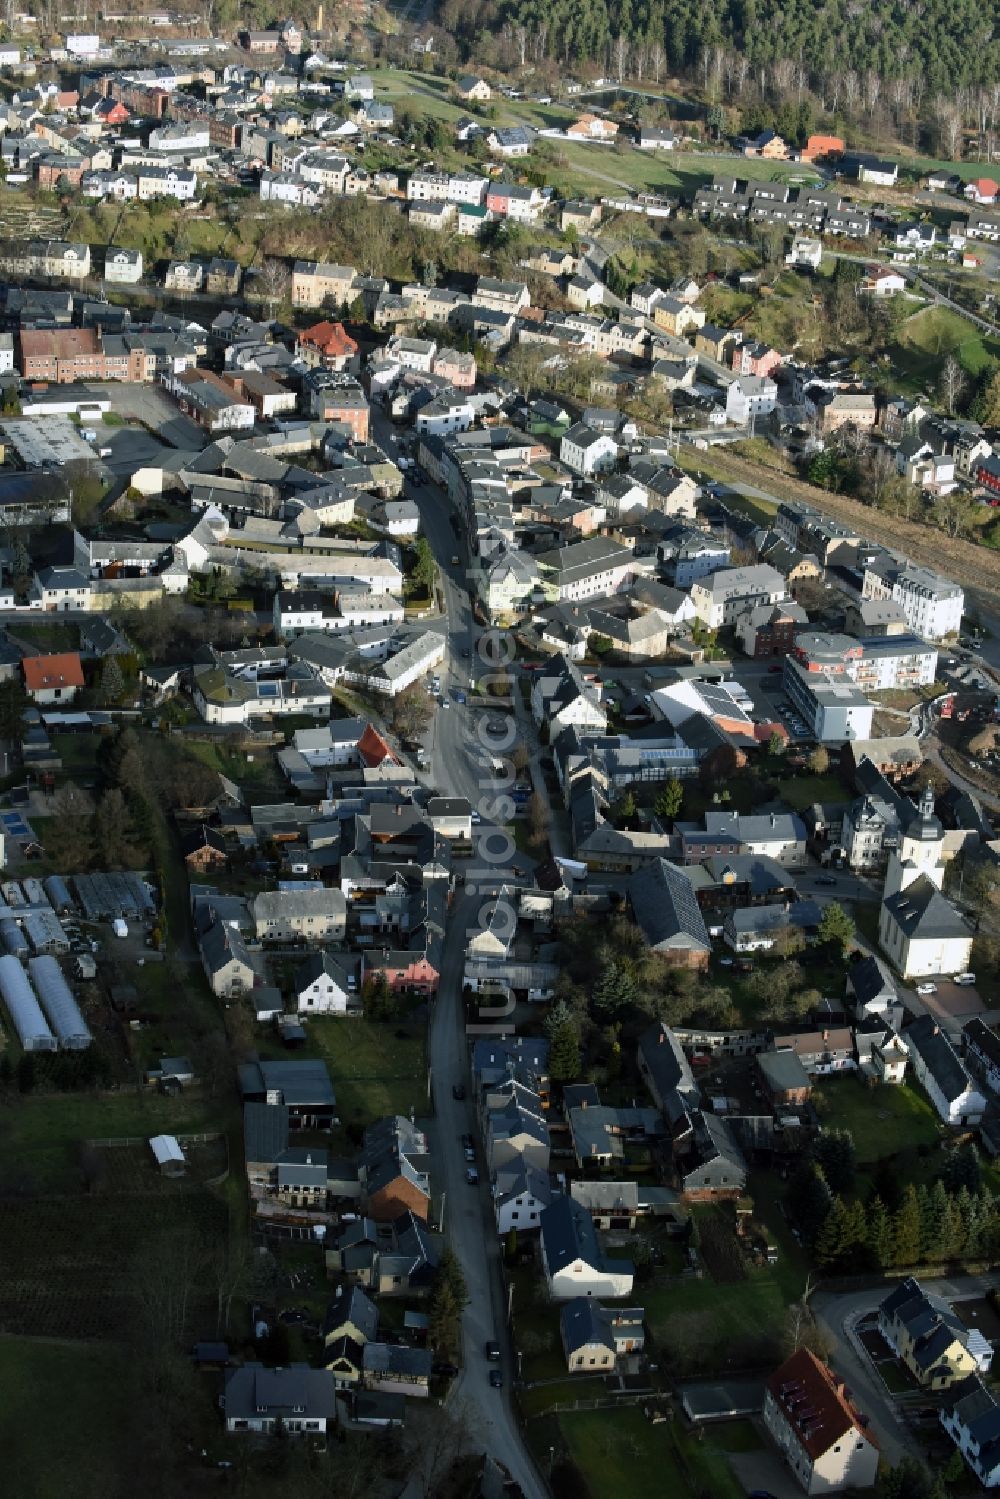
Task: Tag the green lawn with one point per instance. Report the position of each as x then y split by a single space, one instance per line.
883 1120
736 1436
377 1067
78 753
92 1390
924 340
703 1325
801 791
40 1135
50 637
257 776
659 1460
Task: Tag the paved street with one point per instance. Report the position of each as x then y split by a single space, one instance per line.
839 1315
486 1415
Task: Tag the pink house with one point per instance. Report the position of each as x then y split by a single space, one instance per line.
454 365
755 359
403 969
498 198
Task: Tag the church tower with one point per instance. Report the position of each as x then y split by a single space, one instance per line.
920 846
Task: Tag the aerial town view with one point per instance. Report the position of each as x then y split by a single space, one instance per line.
500 750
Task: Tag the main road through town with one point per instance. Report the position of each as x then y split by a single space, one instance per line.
486 1414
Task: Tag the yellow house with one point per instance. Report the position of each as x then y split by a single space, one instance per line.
677 317
930 1339
473 89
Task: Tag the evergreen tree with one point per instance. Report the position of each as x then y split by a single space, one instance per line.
933 1216
843 1235
669 799
906 1226
835 1153
880 1234
809 1198
13 706
448 1300
564 1052
112 681
962 1169
954 1234
833 1239
616 989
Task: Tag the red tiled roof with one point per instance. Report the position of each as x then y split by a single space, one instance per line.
815 1403
59 343
373 749
44 672
330 338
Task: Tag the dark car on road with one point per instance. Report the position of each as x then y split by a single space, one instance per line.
492 1351
458 1092
496 1379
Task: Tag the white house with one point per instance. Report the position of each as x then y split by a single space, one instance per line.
297 1400
572 1259
944 1078
805 252
750 397
817 1428
971 1417
933 604
587 452
521 1193
123 267
326 984
722 596
447 412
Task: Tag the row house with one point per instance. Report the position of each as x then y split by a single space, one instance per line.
283 187
46 257
166 182
315 282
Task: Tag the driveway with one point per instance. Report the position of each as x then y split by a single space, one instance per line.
839 1315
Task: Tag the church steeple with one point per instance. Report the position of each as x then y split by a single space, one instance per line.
920 848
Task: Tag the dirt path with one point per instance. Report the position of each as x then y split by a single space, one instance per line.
977 568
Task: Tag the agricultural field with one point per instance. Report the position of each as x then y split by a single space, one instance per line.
76 1267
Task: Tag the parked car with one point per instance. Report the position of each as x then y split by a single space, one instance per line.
964 978
825 879
472 1176
492 1351
496 1379
444 1370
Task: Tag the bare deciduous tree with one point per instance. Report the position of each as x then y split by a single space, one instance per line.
952 384
275 281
